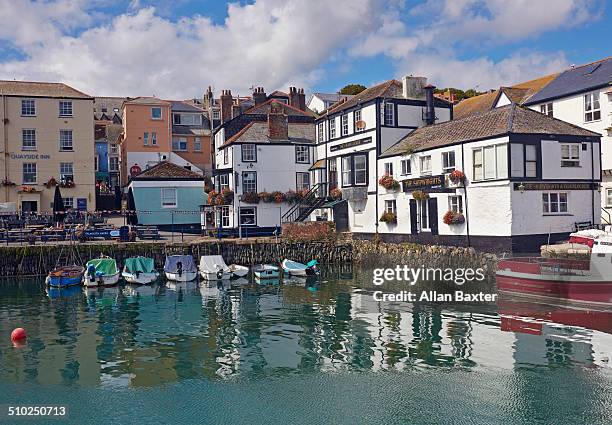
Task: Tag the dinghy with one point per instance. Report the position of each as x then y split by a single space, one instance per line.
139 270
212 267
266 271
180 268
101 272
293 268
64 276
238 271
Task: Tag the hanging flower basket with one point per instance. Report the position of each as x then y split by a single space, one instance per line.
388 182
457 176
453 218
50 183
212 196
226 197
388 217
7 182
335 193
278 197
250 198
419 195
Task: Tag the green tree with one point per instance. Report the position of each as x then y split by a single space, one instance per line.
352 89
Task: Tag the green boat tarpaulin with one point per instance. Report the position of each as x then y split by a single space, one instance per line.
108 266
139 264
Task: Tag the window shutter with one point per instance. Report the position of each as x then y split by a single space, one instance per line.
413 217
432 206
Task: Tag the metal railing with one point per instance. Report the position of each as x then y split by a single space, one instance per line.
311 200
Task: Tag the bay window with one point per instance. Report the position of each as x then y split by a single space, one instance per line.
354 170
490 162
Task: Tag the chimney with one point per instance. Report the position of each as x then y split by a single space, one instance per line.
236 107
293 97
302 99
430 112
413 87
259 96
226 105
278 128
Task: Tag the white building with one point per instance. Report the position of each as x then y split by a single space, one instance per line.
319 102
521 189
269 148
352 135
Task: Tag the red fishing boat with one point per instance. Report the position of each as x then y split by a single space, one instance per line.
577 281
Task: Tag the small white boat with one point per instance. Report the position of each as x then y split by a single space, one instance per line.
212 267
180 268
101 272
139 270
266 271
238 271
293 268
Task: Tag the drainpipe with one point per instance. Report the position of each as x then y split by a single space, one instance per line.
467 221
593 182
378 142
5 143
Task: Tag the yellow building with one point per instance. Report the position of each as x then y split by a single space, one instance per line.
47 138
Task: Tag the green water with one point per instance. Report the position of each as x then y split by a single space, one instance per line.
298 353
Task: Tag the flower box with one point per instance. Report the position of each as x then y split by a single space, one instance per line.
453 218
250 198
388 217
419 195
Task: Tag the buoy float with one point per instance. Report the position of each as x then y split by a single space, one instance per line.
18 334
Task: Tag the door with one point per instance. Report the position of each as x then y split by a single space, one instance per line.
341 216
29 206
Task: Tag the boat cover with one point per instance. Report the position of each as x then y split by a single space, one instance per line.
213 263
139 264
107 266
171 265
294 265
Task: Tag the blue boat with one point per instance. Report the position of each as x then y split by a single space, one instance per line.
293 268
64 276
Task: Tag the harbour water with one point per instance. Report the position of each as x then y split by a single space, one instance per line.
299 352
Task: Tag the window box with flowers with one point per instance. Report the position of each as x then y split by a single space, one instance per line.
388 182
335 194
279 197
250 198
66 183
388 217
456 177
28 189
291 197
453 218
419 195
266 197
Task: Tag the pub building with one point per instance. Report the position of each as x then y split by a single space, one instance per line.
509 179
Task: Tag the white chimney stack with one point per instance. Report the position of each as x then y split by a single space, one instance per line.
413 87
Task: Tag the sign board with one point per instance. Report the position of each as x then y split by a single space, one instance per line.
423 183
555 186
350 144
82 204
135 170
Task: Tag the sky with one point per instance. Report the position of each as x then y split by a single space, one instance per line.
175 49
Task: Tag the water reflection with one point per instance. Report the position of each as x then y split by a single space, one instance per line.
145 336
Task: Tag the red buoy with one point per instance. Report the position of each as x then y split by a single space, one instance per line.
18 334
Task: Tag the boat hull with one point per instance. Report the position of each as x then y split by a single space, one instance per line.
213 275
105 280
238 271
64 282
266 272
140 278
183 277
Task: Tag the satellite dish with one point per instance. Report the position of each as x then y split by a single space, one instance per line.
360 124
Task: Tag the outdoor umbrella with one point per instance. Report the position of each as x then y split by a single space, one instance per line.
59 211
131 206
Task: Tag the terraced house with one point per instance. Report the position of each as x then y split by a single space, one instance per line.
47 139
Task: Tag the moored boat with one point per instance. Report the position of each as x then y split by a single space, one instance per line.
180 268
238 271
293 268
213 267
577 281
139 270
65 276
266 271
101 271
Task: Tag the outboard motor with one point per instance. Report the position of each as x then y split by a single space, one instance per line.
91 271
179 268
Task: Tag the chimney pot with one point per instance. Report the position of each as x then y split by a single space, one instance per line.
278 127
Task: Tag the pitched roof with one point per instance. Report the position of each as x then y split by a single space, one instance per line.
265 107
388 89
257 132
332 97
40 89
147 100
191 130
518 93
113 131
278 93
182 106
496 122
168 171
576 80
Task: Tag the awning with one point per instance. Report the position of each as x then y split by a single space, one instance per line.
333 203
319 165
